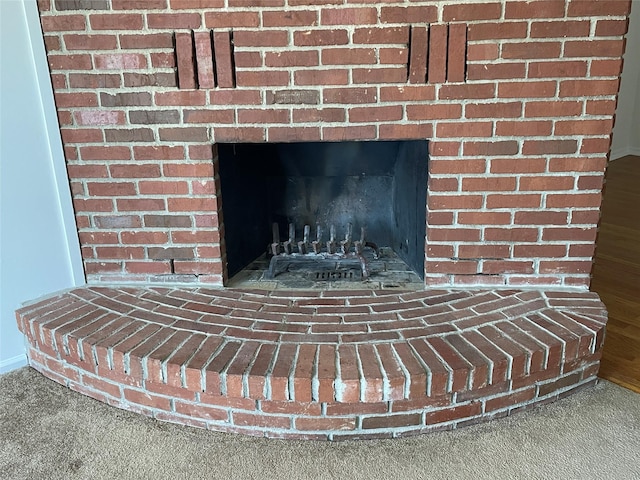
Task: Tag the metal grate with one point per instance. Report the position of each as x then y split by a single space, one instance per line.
336 275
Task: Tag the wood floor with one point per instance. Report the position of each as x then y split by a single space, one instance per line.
616 274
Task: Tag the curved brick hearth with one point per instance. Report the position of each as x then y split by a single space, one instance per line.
317 364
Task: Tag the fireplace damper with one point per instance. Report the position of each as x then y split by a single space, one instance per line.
378 187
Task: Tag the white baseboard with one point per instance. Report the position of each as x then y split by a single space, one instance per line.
13 363
623 152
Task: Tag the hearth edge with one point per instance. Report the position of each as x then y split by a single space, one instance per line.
309 418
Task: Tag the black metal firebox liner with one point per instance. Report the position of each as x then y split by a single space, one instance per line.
377 185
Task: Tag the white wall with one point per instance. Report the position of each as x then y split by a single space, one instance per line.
39 252
626 133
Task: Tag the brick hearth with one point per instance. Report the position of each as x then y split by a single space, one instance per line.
317 365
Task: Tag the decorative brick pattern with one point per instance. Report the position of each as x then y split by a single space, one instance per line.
444 45
518 107
317 365
195 54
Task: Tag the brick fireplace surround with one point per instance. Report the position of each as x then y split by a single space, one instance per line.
517 101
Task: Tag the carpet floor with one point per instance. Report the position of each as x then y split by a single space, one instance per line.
50 432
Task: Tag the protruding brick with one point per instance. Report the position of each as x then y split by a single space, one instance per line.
418 56
185 60
438 39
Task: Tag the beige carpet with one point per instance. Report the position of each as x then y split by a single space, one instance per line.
49 432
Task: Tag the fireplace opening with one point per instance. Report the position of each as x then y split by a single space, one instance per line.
309 213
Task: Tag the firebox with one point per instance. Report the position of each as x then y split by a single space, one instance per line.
325 210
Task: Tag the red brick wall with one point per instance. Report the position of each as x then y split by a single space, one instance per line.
519 130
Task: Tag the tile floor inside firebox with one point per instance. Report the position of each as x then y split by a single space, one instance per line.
386 272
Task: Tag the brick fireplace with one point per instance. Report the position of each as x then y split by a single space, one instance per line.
516 100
